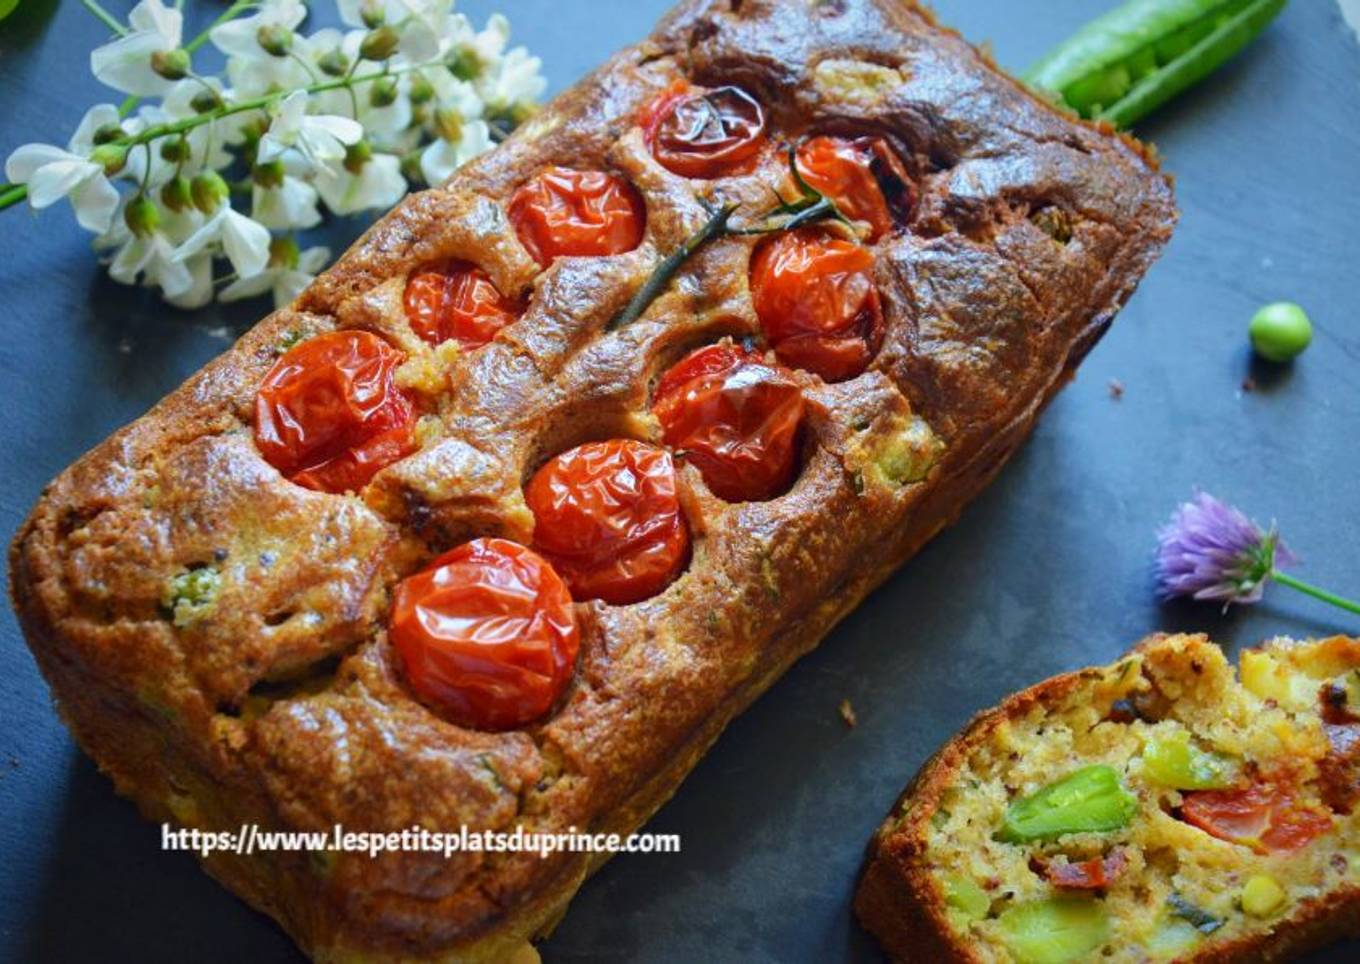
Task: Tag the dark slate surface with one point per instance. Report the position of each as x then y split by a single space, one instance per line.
1047 571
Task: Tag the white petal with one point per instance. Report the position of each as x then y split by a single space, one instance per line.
238 38
419 41
378 185
343 129
154 15
26 160
200 239
130 260
349 12
200 289
289 285
314 259
286 13
288 114
94 203
256 284
52 182
245 242
270 147
100 115
291 206
438 162
176 280
125 64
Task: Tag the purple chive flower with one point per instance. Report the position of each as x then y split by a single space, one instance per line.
1210 550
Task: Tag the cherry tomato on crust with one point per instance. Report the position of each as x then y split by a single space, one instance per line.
565 212
487 633
702 133
1264 817
863 176
329 416
607 516
456 300
817 302
735 417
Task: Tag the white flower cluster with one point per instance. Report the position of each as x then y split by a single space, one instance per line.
226 169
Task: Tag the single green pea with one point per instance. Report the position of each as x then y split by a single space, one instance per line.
1280 331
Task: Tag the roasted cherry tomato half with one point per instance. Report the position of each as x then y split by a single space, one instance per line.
607 516
704 133
487 633
817 302
566 212
1263 816
863 176
456 300
736 419
329 415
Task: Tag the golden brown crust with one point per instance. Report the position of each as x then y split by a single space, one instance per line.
899 901
285 707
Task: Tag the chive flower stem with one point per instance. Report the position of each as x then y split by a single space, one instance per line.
1316 592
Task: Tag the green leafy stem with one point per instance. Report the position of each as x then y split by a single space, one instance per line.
810 207
1125 64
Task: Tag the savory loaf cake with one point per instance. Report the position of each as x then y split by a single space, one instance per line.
1155 809
503 520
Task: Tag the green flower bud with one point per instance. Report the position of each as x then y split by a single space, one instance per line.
283 252
171 64
205 101
465 64
421 89
253 129
379 44
142 216
410 168
209 191
109 132
175 150
371 12
333 63
111 157
521 111
382 92
268 175
448 123
275 39
357 155
176 194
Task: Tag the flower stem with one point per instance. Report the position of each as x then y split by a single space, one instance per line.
104 17
222 18
12 194
661 275
1317 593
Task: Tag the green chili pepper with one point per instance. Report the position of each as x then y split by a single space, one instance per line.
1129 62
1089 800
